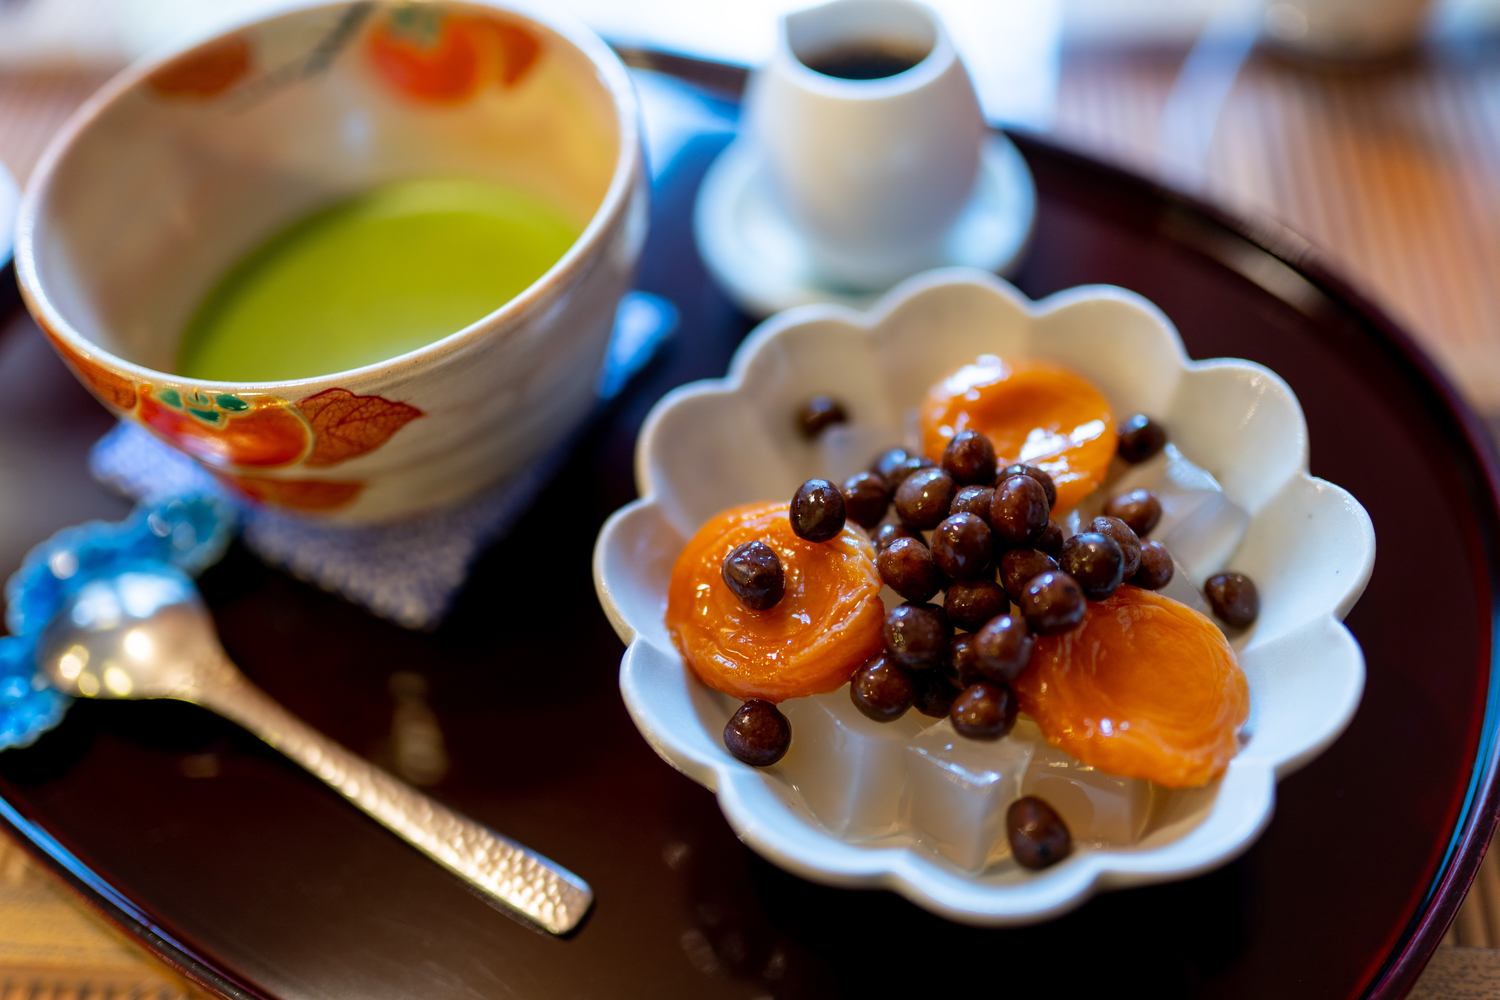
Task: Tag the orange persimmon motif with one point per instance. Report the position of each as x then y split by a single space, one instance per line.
825 626
224 429
1145 688
445 58
297 494
204 72
1031 411
347 426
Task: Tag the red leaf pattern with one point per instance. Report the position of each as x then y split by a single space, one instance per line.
347 426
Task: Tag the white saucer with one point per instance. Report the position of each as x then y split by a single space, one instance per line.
756 255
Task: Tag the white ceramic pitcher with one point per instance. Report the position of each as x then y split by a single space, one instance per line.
872 172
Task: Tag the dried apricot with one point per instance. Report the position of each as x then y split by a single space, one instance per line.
1145 687
1032 412
812 641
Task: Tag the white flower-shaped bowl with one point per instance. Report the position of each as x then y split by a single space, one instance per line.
1309 546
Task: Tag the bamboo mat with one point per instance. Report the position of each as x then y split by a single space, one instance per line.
1394 173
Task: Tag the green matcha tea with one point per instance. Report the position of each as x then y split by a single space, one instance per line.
373 277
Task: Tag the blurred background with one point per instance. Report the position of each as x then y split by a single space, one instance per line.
1370 128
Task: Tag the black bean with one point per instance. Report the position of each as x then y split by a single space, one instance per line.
1140 438
1038 836
882 690
961 546
1003 648
1019 512
923 499
753 571
916 636
865 499
758 733
1139 509
1053 603
1129 542
1233 597
888 533
974 500
1156 567
935 693
1036 472
1095 561
1018 567
963 661
817 511
985 711
818 414
970 603
885 463
970 459
1051 541
904 469
906 566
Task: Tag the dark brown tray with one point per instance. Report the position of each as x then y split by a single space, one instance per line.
258 881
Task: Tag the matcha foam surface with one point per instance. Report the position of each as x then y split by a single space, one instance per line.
373 277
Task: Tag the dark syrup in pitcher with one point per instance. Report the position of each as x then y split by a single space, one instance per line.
864 61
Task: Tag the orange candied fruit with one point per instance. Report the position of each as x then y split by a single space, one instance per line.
825 626
1031 411
1145 687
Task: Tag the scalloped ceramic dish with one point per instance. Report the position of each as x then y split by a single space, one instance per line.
1309 546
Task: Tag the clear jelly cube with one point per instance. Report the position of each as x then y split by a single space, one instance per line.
849 769
1101 809
1199 525
958 789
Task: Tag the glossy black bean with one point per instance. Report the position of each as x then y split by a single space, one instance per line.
1018 514
963 661
935 693
1003 648
888 533
758 733
1140 438
985 711
970 459
865 499
1129 541
1018 567
916 636
923 499
885 463
1036 472
974 500
817 512
1095 561
1053 603
754 572
1234 598
882 690
1156 567
1139 509
961 546
904 470
1051 541
970 603
906 566
1037 834
818 414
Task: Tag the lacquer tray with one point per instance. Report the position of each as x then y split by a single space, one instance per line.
257 881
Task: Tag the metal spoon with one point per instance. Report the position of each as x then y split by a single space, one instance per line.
146 634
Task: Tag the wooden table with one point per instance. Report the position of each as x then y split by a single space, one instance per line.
1394 173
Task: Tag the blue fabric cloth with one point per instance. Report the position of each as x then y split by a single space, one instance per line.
409 571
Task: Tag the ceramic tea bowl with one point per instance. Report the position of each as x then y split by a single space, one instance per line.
709 445
182 164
